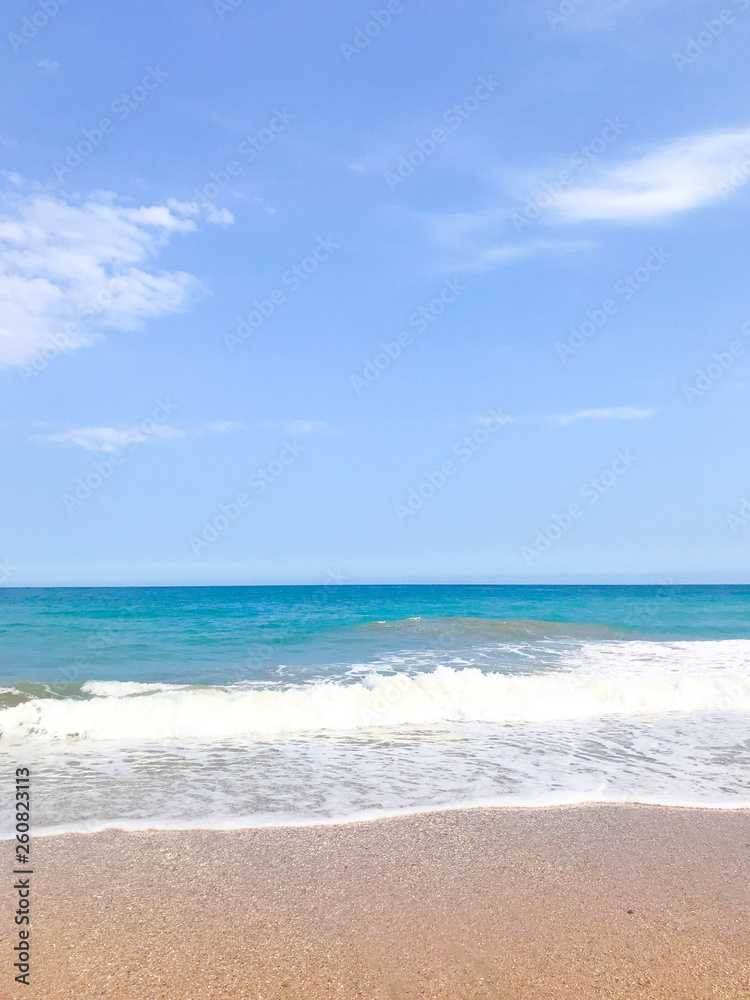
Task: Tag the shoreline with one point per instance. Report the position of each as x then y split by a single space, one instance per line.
585 901
124 826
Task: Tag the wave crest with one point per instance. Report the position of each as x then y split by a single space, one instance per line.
631 679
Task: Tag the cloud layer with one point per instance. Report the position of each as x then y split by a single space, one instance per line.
70 269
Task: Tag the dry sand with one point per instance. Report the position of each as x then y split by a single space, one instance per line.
577 902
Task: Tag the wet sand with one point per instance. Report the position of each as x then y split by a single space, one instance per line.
574 902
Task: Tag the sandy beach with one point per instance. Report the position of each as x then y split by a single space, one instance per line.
573 902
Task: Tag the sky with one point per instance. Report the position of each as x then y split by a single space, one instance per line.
391 292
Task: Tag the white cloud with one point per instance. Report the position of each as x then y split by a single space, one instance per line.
302 427
674 177
50 65
681 175
115 438
224 426
468 241
71 268
506 253
605 413
111 439
268 209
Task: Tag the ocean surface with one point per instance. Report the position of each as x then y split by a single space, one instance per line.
246 706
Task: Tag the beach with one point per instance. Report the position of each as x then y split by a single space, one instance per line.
385 793
577 902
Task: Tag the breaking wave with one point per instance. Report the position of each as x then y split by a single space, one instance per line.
596 681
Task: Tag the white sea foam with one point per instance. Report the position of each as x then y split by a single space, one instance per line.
604 679
700 761
123 689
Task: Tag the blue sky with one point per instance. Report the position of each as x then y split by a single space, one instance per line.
392 292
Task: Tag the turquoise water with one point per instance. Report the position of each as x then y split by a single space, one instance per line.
245 705
205 634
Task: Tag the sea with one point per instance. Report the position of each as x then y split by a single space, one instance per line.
231 707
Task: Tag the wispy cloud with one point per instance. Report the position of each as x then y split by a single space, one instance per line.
72 268
111 439
115 438
50 65
468 241
589 16
663 181
224 426
605 413
486 256
268 209
506 253
495 419
681 175
302 427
